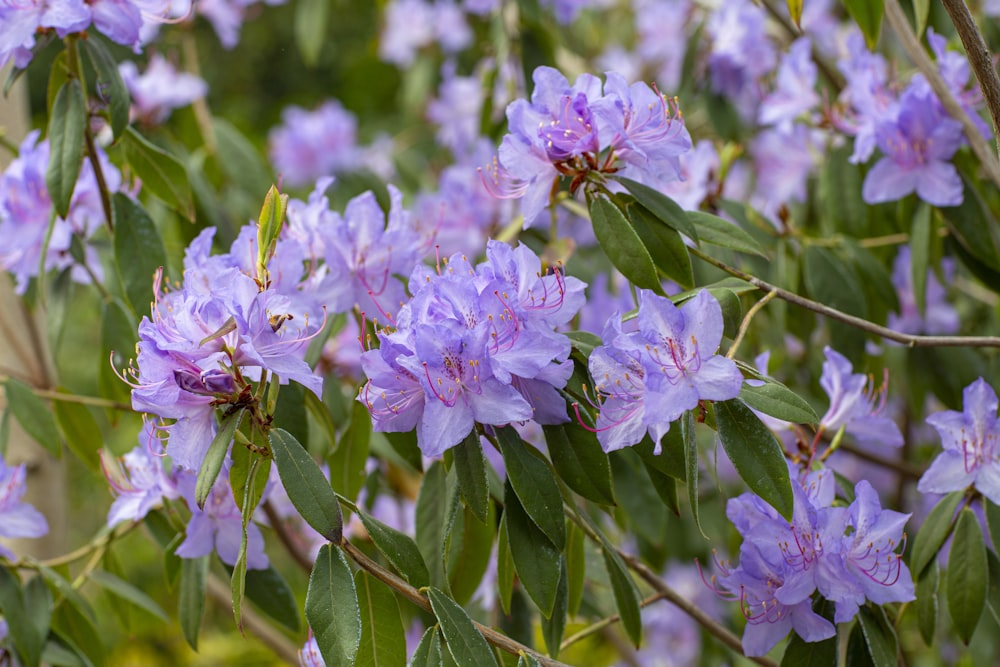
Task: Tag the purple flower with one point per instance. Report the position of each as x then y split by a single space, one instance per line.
309 655
971 454
160 89
794 93
648 378
17 518
311 144
456 111
939 316
141 484
741 52
855 403
699 173
917 145
662 32
411 25
219 526
867 94
20 21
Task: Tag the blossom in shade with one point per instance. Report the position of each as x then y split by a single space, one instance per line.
794 93
917 145
309 655
141 483
939 317
311 144
160 89
17 518
971 455
867 96
648 377
226 16
856 405
219 525
456 111
411 25
741 52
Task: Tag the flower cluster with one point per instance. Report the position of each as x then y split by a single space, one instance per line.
581 132
848 554
160 89
661 366
311 144
17 518
26 211
474 344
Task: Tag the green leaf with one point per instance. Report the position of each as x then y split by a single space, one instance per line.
191 605
800 653
139 252
775 399
580 462
310 28
112 86
428 651
383 641
921 11
215 456
118 339
879 636
61 652
536 559
932 534
625 591
691 465
920 254
535 485
398 548
663 207
307 487
435 506
34 416
161 173
332 608
576 568
755 454
992 511
927 603
239 159
553 628
465 644
470 468
127 592
833 281
868 15
70 624
468 551
347 463
637 499
665 245
718 231
271 593
622 245
968 575
80 432
66 129
65 588
505 567
795 11
973 225
665 486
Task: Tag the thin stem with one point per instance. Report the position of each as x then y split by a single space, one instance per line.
901 25
909 340
832 75
745 324
604 623
102 184
497 639
904 468
202 114
94 401
258 627
98 543
979 57
300 557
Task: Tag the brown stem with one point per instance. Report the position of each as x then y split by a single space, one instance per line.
497 639
979 57
254 623
604 623
904 468
909 340
102 184
281 530
829 72
897 19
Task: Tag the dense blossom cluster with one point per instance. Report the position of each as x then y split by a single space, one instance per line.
653 369
847 554
474 344
26 211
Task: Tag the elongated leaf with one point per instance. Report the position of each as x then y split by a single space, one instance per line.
775 399
383 642
580 462
465 644
468 551
398 548
622 245
536 560
795 11
920 254
880 638
271 593
310 28
65 588
933 533
435 506
665 245
691 465
347 463
61 652
332 608
215 457
718 231
967 575
470 467
663 207
112 86
33 415
505 567
428 651
800 653
80 432
66 128
553 628
239 159
20 626
927 603
70 624
138 250
307 487
161 173
637 498
191 606
626 593
127 592
576 568
755 454
535 485
868 15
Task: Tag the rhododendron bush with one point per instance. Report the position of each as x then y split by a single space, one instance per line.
496 332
